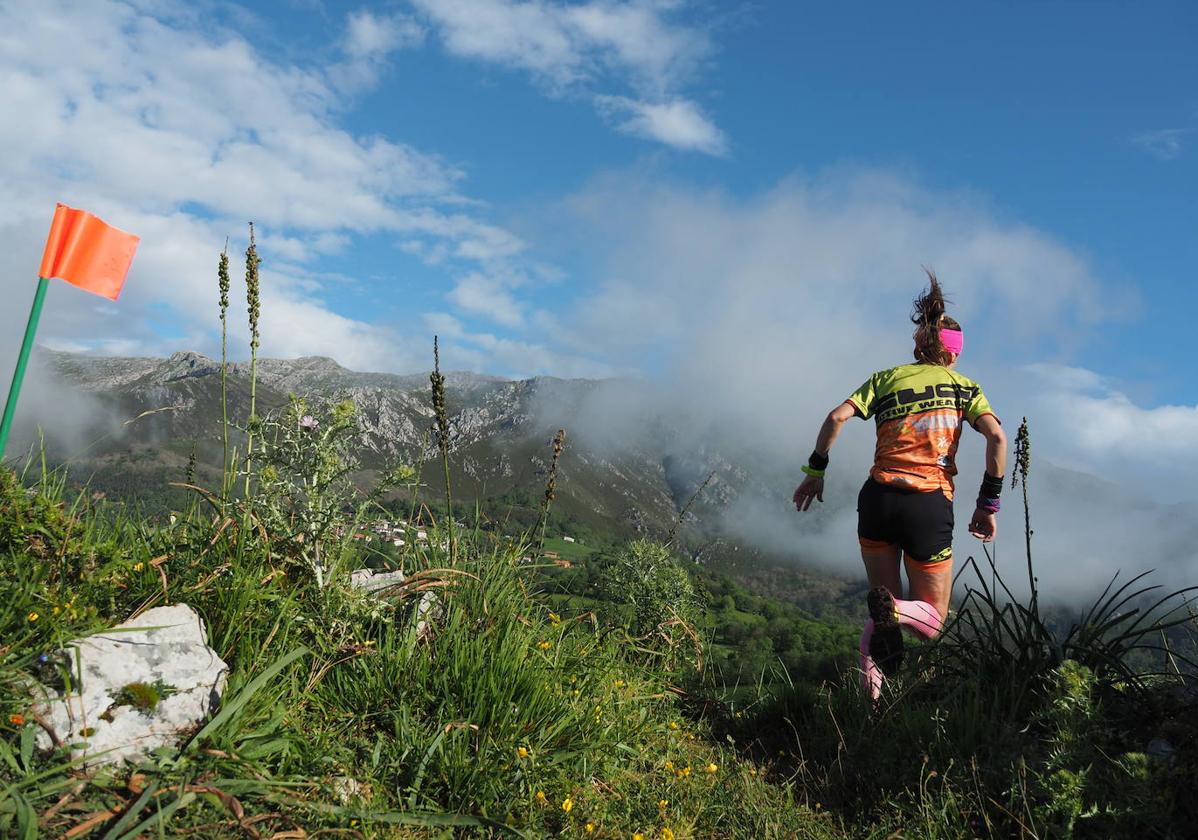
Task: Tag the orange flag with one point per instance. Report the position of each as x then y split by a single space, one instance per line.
87 253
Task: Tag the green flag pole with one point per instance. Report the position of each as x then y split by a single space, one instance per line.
14 390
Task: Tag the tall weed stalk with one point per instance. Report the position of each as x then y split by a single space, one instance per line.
222 275
253 306
559 444
441 414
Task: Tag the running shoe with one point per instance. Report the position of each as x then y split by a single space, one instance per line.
886 643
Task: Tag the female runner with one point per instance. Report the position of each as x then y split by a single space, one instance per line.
905 508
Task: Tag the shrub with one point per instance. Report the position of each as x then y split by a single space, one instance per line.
648 579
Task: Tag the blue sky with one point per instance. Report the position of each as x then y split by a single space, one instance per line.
1078 119
683 190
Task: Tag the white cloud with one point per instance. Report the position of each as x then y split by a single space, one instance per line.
481 295
368 34
481 351
813 268
753 316
1166 143
677 122
566 43
1099 428
179 131
369 39
590 46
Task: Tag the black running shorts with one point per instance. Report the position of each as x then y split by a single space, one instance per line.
921 523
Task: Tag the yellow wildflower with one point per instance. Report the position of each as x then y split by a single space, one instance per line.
663 804
589 828
666 834
544 645
137 567
541 798
638 836
673 726
567 804
521 752
16 720
57 610
712 767
32 616
669 765
554 618
620 683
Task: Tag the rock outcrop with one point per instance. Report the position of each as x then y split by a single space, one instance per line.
147 683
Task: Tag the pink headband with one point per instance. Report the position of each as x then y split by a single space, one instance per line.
953 340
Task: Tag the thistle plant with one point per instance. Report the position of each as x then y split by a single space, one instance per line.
306 495
437 381
222 278
253 300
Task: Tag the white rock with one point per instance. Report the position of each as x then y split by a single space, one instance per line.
165 646
349 790
428 609
370 581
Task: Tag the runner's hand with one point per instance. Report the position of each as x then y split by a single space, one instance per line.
811 488
984 525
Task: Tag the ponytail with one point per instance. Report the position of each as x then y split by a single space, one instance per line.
929 318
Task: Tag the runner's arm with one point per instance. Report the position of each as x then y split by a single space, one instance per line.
828 432
996 444
813 486
984 524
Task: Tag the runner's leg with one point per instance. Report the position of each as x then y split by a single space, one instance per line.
882 641
931 585
882 562
927 542
871 675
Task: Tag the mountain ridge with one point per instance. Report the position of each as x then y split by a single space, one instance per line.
632 484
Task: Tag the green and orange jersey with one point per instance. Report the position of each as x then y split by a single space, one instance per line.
919 410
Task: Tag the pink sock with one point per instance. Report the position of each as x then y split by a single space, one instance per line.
871 675
920 616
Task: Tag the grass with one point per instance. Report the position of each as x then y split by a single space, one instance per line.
505 702
573 552
519 714
460 733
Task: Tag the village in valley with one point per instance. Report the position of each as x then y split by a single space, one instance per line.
402 534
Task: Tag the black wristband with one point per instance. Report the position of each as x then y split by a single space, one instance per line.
817 461
991 486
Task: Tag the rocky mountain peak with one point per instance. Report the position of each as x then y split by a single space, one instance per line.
188 363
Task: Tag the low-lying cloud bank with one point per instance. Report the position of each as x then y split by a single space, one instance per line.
756 316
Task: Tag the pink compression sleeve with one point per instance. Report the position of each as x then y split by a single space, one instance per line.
871 675
920 616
